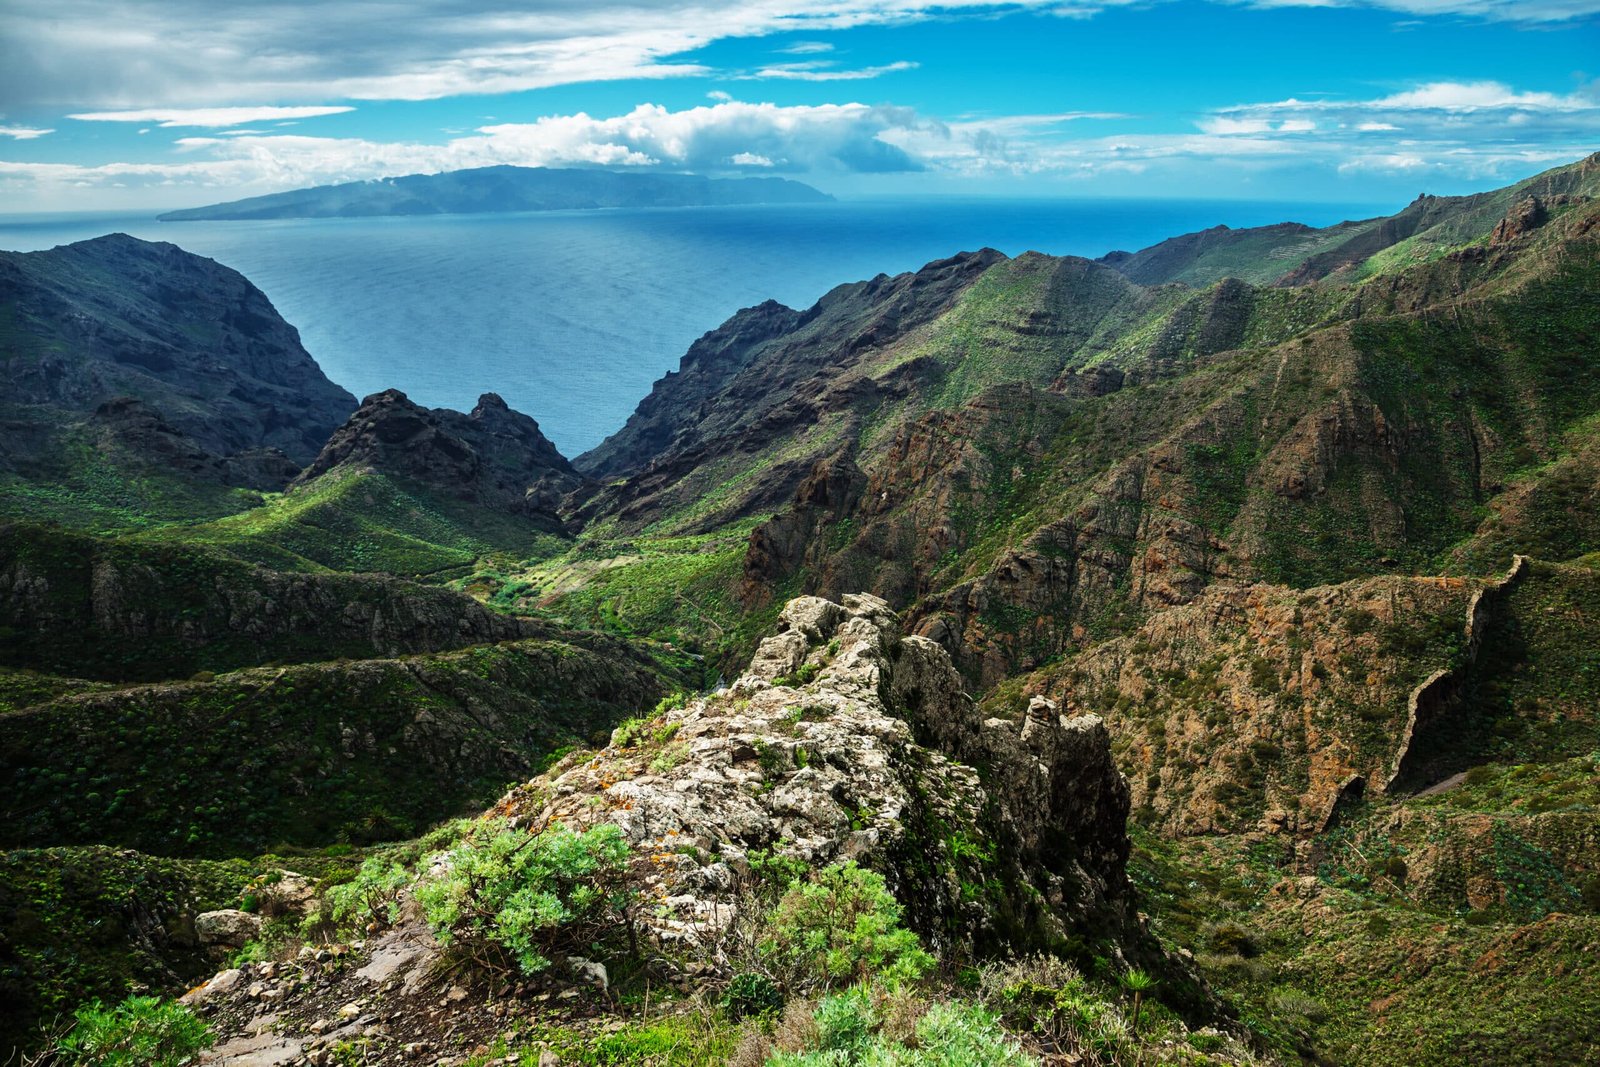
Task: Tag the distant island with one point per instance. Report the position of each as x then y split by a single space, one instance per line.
505 188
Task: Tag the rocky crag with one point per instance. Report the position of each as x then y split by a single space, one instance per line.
493 457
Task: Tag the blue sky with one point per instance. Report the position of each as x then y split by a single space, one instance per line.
111 105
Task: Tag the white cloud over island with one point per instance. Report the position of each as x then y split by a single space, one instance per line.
1466 129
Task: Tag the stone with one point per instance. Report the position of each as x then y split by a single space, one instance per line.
221 982
229 927
590 972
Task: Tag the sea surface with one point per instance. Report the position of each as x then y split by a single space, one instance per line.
570 316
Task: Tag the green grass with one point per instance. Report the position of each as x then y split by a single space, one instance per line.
362 521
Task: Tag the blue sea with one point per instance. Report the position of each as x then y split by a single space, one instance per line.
572 315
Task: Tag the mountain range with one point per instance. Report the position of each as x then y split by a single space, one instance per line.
1224 612
506 188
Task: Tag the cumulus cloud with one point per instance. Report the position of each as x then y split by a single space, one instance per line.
210 116
726 137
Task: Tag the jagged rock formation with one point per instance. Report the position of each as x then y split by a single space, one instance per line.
493 456
115 316
845 740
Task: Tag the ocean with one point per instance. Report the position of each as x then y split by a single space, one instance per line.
570 316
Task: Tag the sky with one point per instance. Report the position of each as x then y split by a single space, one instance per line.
107 105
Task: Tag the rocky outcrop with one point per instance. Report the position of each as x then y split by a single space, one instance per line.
116 316
493 456
1525 217
846 740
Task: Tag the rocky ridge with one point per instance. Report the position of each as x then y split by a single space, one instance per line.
492 456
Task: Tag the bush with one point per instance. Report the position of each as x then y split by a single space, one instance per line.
526 894
752 994
1591 893
139 1032
841 927
850 1030
373 895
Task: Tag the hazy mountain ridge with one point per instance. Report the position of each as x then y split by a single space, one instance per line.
506 188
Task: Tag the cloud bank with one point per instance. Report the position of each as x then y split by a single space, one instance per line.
1478 130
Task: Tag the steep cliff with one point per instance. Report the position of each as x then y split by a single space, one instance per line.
115 316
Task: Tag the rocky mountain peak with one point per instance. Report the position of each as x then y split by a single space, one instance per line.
116 316
494 456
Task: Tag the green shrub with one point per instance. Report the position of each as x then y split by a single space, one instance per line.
372 896
752 994
964 1035
1232 939
528 895
1591 893
842 926
139 1032
851 1030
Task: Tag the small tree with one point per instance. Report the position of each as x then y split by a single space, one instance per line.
527 894
1138 983
842 927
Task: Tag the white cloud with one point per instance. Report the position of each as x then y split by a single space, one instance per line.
111 54
1527 11
23 133
726 137
806 48
818 72
210 116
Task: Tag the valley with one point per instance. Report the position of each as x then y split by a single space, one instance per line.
1190 655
